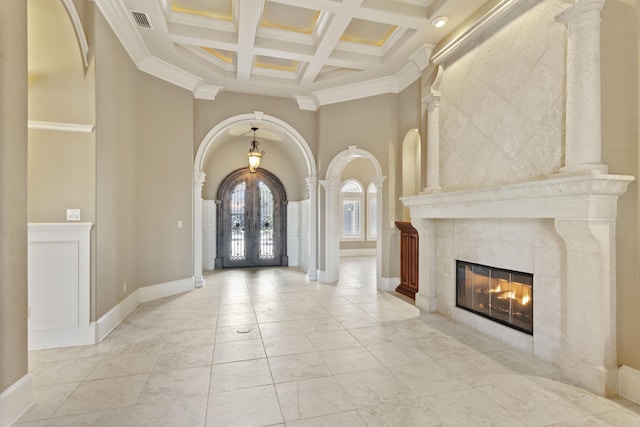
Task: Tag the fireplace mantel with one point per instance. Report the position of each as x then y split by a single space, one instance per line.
558 197
583 209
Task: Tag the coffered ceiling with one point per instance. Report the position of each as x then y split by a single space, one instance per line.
316 51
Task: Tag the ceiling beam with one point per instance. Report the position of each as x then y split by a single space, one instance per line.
249 12
339 23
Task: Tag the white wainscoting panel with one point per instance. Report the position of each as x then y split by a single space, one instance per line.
59 282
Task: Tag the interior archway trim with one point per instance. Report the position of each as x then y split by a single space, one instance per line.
209 140
341 160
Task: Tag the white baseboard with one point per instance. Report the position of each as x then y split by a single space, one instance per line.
16 400
358 252
629 383
117 314
62 337
163 290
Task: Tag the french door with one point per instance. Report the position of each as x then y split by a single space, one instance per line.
251 220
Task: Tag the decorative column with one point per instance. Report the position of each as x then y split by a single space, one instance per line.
583 140
312 268
591 356
331 230
433 135
426 298
198 182
378 181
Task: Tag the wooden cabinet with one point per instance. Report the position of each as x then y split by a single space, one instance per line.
408 259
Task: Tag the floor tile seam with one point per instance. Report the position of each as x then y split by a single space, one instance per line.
58 406
52 418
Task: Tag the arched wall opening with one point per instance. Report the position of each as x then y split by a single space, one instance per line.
411 167
230 140
332 214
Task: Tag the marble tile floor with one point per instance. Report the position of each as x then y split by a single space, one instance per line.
266 347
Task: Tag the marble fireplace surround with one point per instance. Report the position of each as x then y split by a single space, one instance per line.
583 209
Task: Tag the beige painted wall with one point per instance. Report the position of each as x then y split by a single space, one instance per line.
13 193
61 175
117 213
371 124
61 90
207 114
165 176
620 85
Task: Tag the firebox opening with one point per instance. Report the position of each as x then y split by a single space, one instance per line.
501 295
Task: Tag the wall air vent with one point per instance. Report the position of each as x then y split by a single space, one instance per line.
141 18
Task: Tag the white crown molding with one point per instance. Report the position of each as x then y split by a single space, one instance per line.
205 91
407 75
115 13
172 74
306 103
497 17
422 56
61 127
357 90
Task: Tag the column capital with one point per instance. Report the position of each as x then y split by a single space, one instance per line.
581 12
331 184
378 181
199 178
432 101
312 184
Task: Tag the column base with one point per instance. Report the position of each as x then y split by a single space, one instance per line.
582 169
431 190
199 282
597 379
429 304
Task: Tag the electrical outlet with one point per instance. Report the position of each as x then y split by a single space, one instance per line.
73 214
180 223
124 287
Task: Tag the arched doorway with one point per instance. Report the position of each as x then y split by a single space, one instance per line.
252 221
332 186
299 144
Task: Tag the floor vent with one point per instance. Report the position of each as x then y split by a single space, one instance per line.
141 18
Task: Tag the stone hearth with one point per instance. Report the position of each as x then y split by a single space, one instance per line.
565 226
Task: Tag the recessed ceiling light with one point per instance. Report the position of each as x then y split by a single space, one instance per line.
439 21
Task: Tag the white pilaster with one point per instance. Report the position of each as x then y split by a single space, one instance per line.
583 141
198 182
378 181
591 355
426 298
332 230
433 143
312 187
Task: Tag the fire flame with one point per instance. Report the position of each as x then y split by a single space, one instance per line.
526 299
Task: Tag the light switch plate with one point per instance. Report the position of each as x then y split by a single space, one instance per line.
73 214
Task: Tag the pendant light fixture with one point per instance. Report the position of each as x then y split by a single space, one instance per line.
254 154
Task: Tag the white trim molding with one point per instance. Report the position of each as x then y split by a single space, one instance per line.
16 401
630 383
59 285
61 127
118 313
499 14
